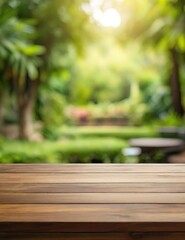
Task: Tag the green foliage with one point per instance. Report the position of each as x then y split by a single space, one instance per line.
162 29
157 98
173 17
134 106
99 74
164 26
94 149
23 25
107 131
60 22
171 119
17 51
26 152
108 70
65 151
96 113
51 112
115 75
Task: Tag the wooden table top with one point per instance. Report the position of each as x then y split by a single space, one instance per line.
91 196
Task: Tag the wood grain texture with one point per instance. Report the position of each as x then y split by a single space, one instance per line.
92 212
95 236
92 187
99 202
92 177
91 227
70 168
104 198
60 236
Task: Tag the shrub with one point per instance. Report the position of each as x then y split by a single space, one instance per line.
107 131
51 111
26 152
92 113
65 151
92 150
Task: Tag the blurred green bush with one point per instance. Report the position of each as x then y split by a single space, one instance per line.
74 145
93 150
51 110
107 131
64 151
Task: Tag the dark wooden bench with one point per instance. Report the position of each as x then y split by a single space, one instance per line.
92 202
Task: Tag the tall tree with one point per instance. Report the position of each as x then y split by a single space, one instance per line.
19 58
34 26
161 23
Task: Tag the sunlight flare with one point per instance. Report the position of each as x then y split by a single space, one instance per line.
111 18
107 16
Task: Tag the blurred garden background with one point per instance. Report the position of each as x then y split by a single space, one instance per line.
79 78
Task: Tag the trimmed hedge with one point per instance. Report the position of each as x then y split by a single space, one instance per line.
64 151
93 150
26 152
107 131
75 145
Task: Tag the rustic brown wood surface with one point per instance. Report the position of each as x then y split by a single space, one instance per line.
92 202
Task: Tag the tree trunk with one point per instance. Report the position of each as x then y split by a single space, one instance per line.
26 109
175 83
25 121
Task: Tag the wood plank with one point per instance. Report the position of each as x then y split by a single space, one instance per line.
69 200
70 168
159 236
92 187
112 198
92 213
96 236
83 236
86 227
92 177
